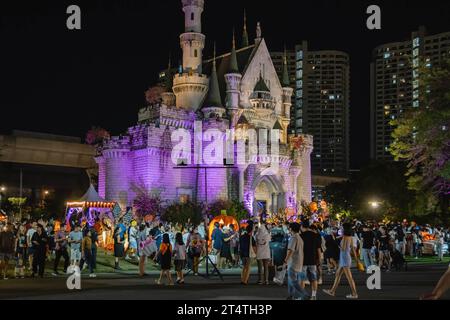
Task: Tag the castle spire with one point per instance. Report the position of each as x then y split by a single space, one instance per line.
285 77
258 31
233 67
213 98
244 33
169 76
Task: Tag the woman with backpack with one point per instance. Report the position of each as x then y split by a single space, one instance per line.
164 258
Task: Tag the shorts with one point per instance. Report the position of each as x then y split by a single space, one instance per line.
119 250
179 265
75 254
310 273
21 251
6 256
30 251
133 245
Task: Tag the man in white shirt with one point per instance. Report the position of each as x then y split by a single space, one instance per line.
294 262
30 233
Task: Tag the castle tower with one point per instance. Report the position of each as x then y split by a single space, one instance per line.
213 107
287 99
233 80
190 86
168 98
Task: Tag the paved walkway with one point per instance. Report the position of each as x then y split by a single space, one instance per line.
395 285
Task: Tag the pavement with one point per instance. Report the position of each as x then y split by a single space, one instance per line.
395 285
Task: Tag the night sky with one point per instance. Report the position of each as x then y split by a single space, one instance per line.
59 81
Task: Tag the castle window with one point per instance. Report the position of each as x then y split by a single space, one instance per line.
192 16
195 53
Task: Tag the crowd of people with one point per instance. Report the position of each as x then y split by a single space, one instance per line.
306 249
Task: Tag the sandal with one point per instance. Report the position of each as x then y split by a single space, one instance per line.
328 292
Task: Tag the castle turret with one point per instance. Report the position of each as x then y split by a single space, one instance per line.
213 107
168 98
190 85
233 80
287 98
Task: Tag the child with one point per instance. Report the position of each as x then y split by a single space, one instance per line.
179 253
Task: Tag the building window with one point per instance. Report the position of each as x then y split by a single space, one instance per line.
192 16
195 53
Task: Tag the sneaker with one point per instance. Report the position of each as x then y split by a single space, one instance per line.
350 296
320 281
158 282
328 292
5 278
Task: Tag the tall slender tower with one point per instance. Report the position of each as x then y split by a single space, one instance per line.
190 86
233 80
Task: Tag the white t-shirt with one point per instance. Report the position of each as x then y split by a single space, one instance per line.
30 233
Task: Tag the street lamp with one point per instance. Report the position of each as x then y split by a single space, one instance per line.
374 204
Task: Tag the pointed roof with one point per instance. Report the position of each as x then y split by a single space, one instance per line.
91 195
242 120
243 58
169 77
213 98
244 32
285 77
277 126
233 68
261 85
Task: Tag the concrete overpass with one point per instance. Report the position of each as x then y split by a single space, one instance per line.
59 165
46 149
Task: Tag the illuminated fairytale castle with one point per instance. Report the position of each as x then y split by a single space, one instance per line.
236 90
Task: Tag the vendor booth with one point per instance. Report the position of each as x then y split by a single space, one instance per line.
96 212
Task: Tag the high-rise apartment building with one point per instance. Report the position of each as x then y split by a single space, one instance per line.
322 104
395 82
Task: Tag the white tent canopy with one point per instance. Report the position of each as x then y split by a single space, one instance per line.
91 195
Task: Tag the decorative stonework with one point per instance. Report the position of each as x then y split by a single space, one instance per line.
144 153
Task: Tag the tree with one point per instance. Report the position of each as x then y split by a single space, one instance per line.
183 213
378 181
145 202
235 209
422 138
96 135
154 94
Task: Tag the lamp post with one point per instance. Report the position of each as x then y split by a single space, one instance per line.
2 190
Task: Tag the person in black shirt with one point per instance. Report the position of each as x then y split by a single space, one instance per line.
383 249
311 251
246 244
368 241
332 251
39 242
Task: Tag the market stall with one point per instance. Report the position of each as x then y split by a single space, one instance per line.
96 212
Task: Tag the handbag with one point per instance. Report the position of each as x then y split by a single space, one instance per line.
280 275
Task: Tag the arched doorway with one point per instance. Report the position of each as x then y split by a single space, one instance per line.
268 196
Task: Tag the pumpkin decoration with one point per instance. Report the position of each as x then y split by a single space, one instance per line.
224 221
313 207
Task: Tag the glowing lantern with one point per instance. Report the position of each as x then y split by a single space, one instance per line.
313 207
224 221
